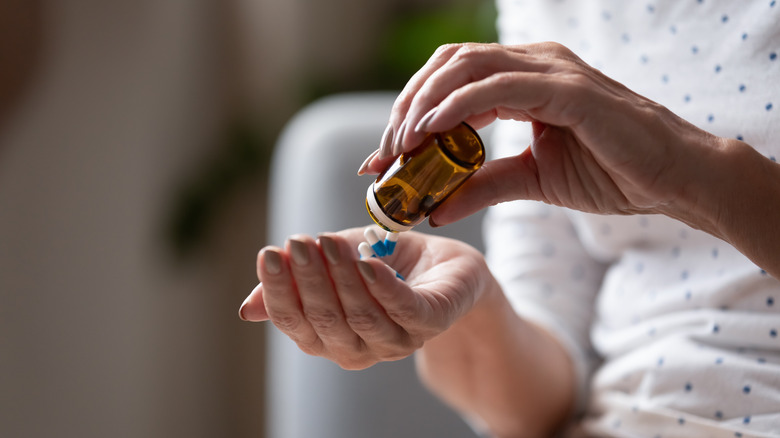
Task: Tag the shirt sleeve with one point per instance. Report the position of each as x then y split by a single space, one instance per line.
547 275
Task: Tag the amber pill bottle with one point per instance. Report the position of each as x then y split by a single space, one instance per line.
418 181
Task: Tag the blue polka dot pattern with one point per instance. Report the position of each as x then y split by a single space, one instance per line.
685 318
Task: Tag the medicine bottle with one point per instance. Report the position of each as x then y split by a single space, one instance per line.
418 181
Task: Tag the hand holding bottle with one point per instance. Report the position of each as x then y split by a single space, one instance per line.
598 146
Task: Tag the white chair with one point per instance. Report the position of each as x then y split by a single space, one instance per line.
314 188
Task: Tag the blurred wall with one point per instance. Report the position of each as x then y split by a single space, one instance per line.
107 107
101 335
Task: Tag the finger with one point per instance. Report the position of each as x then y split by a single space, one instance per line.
497 181
471 63
363 313
282 301
548 98
362 170
555 170
405 97
401 304
253 307
320 304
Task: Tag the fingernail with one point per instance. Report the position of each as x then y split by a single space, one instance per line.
432 223
272 261
241 309
299 252
386 143
364 166
422 126
367 272
398 143
330 249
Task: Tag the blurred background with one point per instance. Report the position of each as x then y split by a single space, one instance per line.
135 138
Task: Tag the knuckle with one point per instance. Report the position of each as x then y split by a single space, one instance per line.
402 348
322 319
447 48
576 91
503 79
470 52
399 352
553 46
579 81
286 322
310 348
556 50
363 320
403 315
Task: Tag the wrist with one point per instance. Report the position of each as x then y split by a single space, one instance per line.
493 365
713 177
734 194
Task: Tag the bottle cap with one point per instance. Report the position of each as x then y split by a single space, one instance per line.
379 216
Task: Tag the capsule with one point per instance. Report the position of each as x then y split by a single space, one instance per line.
377 245
365 251
420 180
390 241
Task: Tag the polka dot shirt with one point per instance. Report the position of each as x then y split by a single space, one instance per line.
674 332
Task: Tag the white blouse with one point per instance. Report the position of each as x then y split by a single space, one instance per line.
674 332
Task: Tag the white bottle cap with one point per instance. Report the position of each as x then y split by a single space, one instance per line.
380 215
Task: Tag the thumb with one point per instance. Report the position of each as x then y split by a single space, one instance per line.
501 180
253 307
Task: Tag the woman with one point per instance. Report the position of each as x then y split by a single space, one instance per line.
640 297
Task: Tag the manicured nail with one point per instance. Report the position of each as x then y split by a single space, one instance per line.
367 272
273 261
386 143
247 313
422 126
299 252
241 309
365 164
398 143
330 249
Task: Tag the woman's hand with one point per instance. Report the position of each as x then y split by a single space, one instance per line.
598 147
357 312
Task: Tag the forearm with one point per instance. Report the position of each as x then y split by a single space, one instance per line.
739 202
507 372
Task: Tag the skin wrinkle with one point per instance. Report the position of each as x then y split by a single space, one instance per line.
606 150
